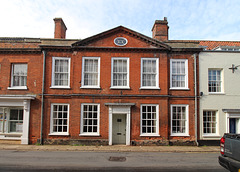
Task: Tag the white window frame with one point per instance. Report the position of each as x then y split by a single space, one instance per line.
186 74
120 87
156 74
83 72
4 120
53 72
6 127
51 120
186 122
18 120
12 71
216 118
157 121
82 133
221 80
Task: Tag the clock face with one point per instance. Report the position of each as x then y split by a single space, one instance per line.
120 41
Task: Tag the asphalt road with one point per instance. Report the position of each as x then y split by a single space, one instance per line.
100 161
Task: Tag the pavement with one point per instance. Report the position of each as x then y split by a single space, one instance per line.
114 148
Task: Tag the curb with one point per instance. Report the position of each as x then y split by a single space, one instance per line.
163 149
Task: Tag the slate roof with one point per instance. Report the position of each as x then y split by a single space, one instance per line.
183 43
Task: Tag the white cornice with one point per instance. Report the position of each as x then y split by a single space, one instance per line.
20 97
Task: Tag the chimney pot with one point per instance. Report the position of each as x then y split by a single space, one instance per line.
160 30
60 29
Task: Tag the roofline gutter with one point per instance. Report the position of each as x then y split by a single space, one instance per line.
190 49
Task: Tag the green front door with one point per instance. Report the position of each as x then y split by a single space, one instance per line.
119 129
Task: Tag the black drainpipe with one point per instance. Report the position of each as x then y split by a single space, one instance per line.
42 107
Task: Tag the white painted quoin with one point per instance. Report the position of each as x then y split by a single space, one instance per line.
219 88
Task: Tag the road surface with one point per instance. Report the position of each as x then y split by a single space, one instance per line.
11 160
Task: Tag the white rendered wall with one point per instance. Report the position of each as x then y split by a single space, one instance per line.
229 99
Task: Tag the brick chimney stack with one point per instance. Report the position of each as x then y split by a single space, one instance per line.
60 29
160 30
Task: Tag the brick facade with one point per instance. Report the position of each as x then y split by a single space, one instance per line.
103 47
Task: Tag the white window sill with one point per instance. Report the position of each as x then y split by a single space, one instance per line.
9 138
58 134
149 88
211 136
60 87
120 88
216 93
18 88
180 135
89 134
90 87
149 135
180 88
11 134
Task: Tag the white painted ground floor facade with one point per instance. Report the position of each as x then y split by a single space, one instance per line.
220 118
14 117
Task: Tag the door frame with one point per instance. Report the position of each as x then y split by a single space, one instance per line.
120 108
229 116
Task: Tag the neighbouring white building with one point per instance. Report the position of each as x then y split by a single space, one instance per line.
219 86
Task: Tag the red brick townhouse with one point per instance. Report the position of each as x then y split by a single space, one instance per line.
116 87
21 69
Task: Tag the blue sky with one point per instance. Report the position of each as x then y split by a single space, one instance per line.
187 19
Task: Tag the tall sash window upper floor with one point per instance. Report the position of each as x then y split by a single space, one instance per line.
91 72
149 73
61 72
19 76
215 83
179 74
120 73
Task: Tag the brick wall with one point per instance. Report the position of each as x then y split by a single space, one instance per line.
135 92
34 77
